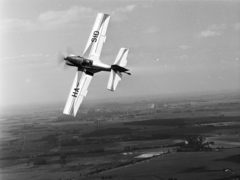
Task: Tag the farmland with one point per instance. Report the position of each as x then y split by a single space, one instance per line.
180 137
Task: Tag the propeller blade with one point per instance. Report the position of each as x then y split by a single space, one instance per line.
60 58
65 67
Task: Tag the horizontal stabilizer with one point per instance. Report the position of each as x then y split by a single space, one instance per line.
115 77
117 68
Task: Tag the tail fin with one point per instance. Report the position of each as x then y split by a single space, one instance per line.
121 58
117 68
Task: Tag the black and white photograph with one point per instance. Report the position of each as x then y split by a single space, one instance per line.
120 89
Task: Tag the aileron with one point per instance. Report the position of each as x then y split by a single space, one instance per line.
77 93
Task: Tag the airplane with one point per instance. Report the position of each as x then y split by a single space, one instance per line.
89 63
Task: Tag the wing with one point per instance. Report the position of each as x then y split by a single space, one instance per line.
77 93
97 37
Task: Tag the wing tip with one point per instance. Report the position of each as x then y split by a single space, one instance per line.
70 114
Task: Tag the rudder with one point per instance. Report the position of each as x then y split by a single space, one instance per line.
117 68
121 58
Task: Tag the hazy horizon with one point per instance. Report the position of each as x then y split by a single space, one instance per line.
175 47
123 99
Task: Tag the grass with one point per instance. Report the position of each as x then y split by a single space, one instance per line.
190 165
182 166
108 132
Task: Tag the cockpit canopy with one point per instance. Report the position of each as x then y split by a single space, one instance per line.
87 63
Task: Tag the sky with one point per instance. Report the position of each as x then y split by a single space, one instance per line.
175 47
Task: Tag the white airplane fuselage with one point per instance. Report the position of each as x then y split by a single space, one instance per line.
84 63
89 63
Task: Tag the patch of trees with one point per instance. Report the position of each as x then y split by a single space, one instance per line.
108 132
97 151
51 138
162 136
40 162
129 148
31 127
181 121
73 131
70 142
158 122
108 177
63 158
13 141
196 143
120 164
93 114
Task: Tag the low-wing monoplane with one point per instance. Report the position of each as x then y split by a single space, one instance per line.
89 63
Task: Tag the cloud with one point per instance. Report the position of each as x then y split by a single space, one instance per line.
28 62
22 56
218 29
146 5
213 30
151 30
209 33
236 26
55 19
120 14
28 80
184 47
11 24
62 17
50 20
218 26
128 8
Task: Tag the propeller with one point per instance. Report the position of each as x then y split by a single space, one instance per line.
61 57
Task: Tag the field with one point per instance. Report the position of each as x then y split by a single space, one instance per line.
185 165
184 137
